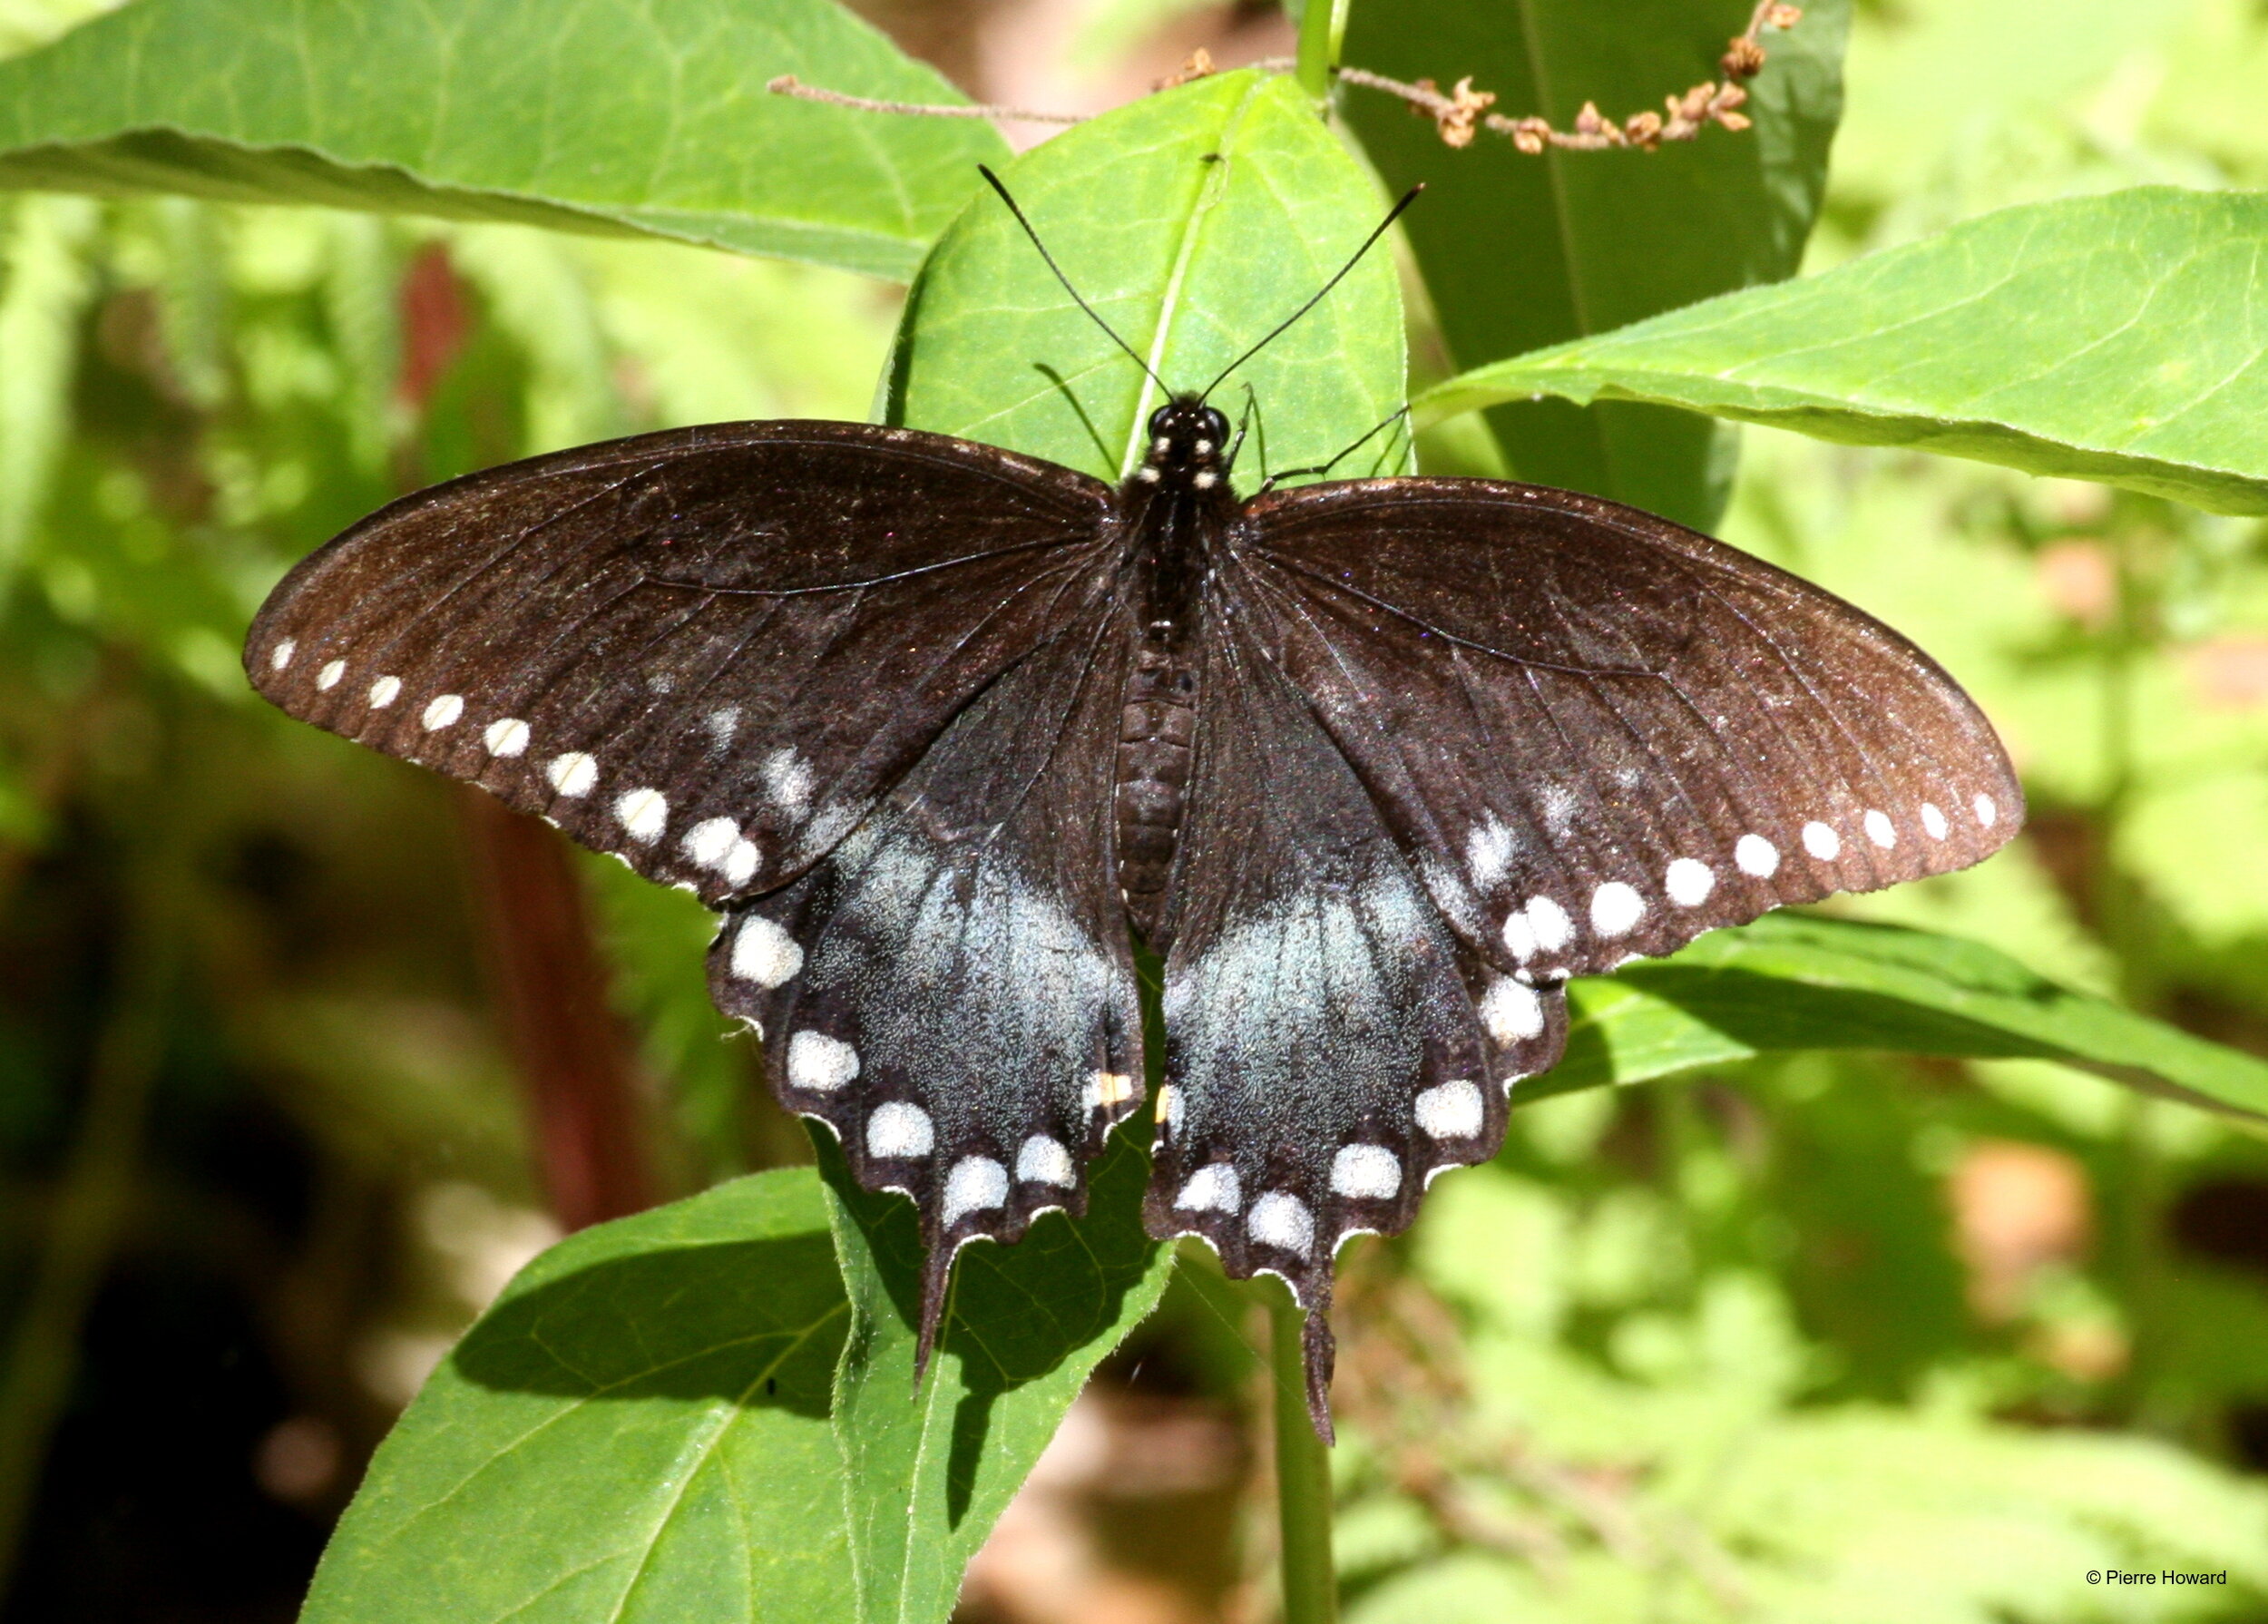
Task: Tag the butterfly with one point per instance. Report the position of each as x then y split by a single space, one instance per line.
1374 766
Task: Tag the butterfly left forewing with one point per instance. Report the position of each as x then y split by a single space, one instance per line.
951 989
706 650
1596 734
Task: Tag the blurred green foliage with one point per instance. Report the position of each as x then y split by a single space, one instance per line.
1745 1345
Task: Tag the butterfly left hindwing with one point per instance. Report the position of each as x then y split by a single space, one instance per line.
952 988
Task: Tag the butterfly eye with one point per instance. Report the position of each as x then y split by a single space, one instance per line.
1161 420
1215 426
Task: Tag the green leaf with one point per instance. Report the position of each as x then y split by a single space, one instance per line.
1193 221
1519 252
930 1468
1792 980
612 117
636 1431
2118 338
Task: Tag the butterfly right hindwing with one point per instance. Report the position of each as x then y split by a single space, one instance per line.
1329 1048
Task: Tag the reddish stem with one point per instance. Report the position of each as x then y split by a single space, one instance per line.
551 984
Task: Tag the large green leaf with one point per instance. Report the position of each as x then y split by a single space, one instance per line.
928 1469
1803 982
645 116
636 1431
1194 221
2121 338
1520 253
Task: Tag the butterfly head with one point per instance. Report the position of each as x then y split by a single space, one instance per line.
1188 445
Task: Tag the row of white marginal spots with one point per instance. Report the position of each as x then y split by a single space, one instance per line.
899 1130
715 844
1542 927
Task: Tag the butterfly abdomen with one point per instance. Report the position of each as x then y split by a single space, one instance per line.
1156 730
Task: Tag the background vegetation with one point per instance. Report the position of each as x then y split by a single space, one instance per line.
1813 1335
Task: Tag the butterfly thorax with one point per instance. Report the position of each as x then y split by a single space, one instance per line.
1174 504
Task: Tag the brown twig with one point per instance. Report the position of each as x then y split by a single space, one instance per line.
1463 110
788 84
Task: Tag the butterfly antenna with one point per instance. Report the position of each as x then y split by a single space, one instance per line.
993 180
1392 214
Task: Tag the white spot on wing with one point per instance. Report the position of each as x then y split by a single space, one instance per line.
741 863
645 813
1690 882
1043 1161
710 842
1511 1011
898 1130
1934 822
1753 854
722 725
573 774
1368 1172
787 777
384 691
764 954
506 738
442 712
328 678
1519 935
1489 852
820 1063
1554 930
1616 909
1988 812
1212 1189
976 1184
1879 829
1107 1091
1283 1221
1451 1110
282 656
1822 842
1558 805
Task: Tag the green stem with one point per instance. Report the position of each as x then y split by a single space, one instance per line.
1321 30
1303 1473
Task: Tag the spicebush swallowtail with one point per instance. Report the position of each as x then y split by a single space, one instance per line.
1375 766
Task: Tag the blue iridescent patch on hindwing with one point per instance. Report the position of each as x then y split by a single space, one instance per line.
1329 1046
951 989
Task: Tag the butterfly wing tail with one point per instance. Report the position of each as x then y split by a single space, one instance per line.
1319 1355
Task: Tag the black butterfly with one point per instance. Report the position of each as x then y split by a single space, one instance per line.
1375 766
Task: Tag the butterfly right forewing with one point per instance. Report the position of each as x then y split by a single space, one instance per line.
1598 734
708 650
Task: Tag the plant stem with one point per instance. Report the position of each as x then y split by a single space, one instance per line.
1322 29
1303 1470
575 1070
